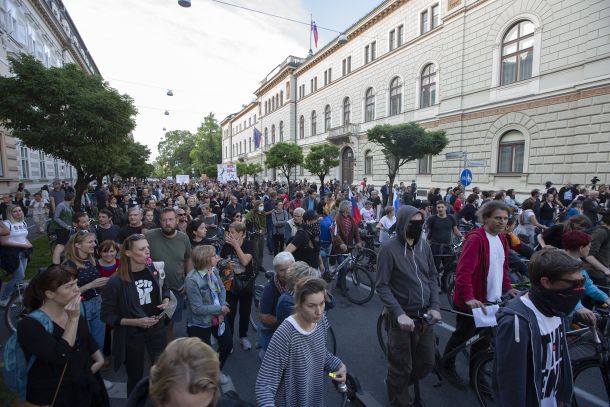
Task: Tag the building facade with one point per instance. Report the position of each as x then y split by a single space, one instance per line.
521 87
44 29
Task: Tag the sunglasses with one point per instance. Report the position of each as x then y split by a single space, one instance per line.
137 236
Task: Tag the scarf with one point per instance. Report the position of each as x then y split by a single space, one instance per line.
281 288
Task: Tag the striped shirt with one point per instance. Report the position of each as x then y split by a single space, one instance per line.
293 370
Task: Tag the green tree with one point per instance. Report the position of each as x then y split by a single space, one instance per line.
405 142
285 156
321 159
133 161
67 113
245 169
175 152
208 145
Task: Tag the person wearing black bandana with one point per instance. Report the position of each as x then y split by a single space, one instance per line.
305 246
531 359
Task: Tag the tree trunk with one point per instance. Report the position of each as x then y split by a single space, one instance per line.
321 176
80 187
392 177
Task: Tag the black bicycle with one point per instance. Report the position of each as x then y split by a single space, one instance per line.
592 373
353 393
482 362
357 265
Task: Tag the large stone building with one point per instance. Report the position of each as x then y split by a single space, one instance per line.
44 29
521 86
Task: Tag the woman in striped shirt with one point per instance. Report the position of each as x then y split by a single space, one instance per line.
293 370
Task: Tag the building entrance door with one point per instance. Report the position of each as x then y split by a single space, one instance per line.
347 166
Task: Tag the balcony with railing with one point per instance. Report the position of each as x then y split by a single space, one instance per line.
337 134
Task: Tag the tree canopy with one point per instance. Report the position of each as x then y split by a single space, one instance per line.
67 113
285 156
321 159
245 169
406 142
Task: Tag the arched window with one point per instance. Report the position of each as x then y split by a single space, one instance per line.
428 86
369 105
266 137
302 127
281 131
517 52
314 118
273 134
347 110
327 118
368 163
511 152
395 96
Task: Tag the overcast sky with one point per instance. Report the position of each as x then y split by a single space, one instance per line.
212 56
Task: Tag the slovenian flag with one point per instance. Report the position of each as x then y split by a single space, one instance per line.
355 210
257 138
314 30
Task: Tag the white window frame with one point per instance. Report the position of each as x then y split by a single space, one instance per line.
418 85
428 9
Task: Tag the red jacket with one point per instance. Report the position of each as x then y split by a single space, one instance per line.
472 269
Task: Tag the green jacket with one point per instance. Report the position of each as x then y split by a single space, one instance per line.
256 221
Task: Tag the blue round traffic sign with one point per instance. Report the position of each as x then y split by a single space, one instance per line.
466 177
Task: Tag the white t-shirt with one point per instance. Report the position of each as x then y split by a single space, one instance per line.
495 272
551 353
387 224
19 232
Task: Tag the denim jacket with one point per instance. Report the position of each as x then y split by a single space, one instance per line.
200 304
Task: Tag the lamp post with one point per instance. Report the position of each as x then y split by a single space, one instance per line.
185 3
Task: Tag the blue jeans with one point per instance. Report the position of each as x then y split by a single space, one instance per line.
547 222
270 236
16 278
325 248
96 325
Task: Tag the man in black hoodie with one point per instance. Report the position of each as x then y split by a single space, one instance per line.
531 359
407 286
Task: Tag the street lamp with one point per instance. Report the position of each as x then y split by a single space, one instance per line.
342 39
170 93
166 113
184 3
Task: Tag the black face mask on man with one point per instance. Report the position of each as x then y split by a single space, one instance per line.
414 229
555 303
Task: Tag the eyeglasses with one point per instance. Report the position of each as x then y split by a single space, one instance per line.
577 283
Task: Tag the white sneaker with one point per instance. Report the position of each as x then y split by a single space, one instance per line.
245 344
108 384
224 379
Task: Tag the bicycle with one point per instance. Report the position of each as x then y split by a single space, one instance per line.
15 309
482 362
447 272
331 339
358 265
592 373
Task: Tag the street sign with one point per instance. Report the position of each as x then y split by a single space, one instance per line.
466 177
477 163
456 155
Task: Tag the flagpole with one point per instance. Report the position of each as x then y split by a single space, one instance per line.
310 32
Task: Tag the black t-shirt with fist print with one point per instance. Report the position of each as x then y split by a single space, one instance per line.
148 292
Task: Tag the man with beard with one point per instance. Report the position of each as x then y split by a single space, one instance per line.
531 358
305 246
134 225
407 286
169 245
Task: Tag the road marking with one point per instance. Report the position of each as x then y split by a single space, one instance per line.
594 400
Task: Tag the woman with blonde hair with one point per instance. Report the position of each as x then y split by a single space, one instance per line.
79 257
14 250
133 302
206 303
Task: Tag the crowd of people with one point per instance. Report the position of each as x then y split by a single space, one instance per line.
136 258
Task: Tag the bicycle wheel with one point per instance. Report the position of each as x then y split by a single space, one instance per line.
589 387
331 340
258 293
368 259
15 310
450 288
360 285
382 335
482 374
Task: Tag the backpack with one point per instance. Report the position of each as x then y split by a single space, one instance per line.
16 366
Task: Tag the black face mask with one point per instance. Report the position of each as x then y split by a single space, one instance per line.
313 229
555 303
414 229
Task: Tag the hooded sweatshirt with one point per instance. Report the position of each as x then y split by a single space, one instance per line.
518 377
406 276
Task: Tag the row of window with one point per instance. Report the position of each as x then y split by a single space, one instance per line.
242 125
25 169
